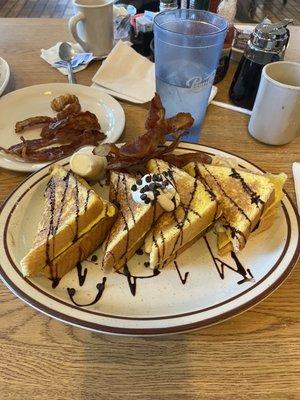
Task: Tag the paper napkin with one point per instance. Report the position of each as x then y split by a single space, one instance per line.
79 62
296 174
127 75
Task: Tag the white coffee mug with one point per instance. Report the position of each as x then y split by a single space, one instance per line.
275 118
92 26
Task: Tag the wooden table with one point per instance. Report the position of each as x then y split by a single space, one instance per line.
253 356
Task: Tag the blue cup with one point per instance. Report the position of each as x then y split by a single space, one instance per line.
187 45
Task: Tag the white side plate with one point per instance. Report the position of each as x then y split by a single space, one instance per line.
4 75
35 100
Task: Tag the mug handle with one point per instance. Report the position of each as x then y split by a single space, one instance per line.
73 29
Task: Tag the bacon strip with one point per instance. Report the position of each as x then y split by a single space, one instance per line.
32 121
180 160
150 144
71 129
70 109
84 120
156 113
36 150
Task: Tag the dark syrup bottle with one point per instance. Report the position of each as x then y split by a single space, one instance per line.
267 44
245 83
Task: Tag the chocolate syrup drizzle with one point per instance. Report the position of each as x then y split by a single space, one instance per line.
234 232
132 279
181 223
51 195
139 252
204 183
126 226
63 199
81 275
76 211
255 199
221 265
55 282
127 198
87 200
100 286
115 190
226 195
53 228
183 279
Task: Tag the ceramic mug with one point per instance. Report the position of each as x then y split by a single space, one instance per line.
92 26
275 117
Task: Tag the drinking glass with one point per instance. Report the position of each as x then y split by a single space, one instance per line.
187 45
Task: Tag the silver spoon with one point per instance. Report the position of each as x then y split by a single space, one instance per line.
66 53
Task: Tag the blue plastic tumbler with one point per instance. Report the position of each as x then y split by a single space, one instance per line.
188 45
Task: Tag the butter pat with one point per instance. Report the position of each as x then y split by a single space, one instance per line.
87 165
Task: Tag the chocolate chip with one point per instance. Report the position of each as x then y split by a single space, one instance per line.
144 196
165 173
148 179
142 190
147 201
146 188
134 188
156 192
147 264
139 181
155 177
160 178
152 186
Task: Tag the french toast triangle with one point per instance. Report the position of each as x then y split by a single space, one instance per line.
176 230
248 201
74 222
132 224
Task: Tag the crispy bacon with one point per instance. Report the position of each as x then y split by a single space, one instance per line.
37 150
71 129
156 113
32 121
54 153
70 109
180 160
84 120
150 144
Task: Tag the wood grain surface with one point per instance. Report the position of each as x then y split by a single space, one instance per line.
253 356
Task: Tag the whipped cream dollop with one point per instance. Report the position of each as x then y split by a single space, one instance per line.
156 187
88 165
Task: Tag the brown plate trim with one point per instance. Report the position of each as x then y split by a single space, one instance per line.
154 331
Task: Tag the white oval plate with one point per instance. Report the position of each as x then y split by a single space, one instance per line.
4 75
35 100
200 294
